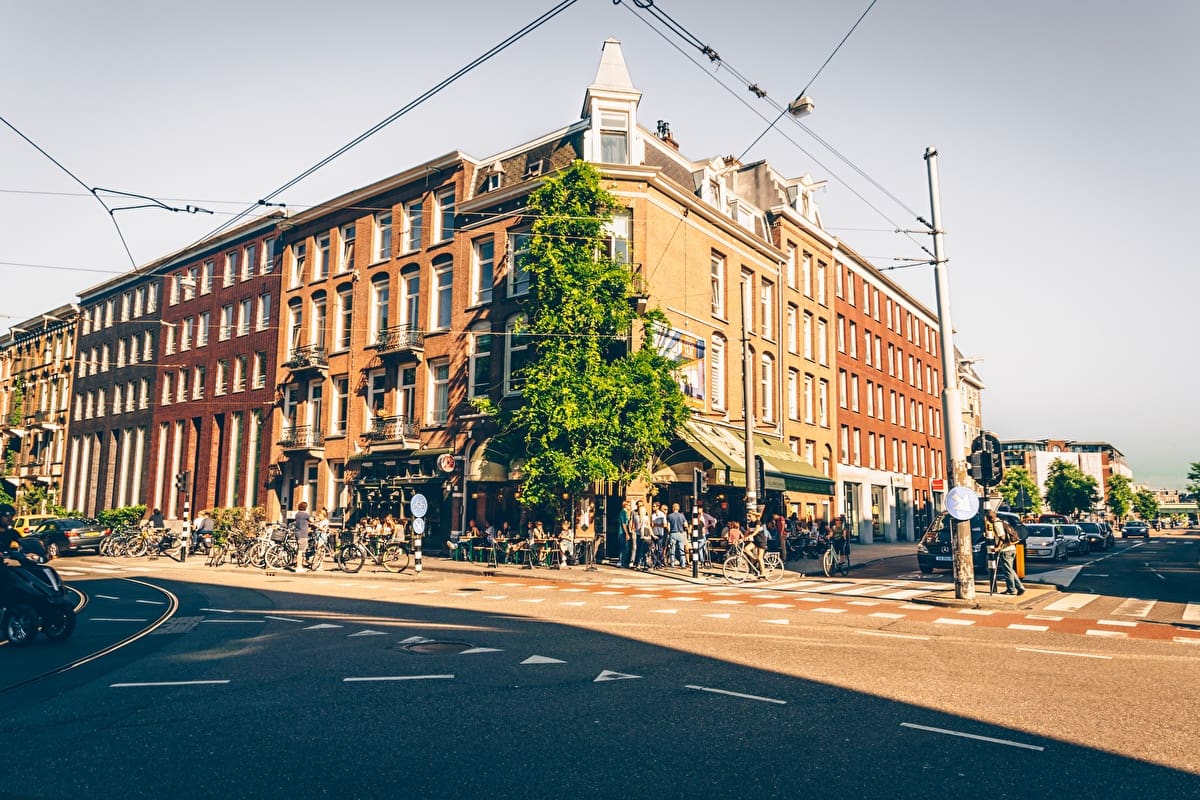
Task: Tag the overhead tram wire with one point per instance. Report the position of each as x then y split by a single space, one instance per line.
895 225
412 104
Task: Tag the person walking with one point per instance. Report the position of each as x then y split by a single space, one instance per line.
301 520
1006 544
641 522
625 531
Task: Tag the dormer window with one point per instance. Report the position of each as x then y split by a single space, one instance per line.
491 183
614 138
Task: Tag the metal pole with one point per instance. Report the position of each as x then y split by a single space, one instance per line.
417 554
748 406
187 526
952 426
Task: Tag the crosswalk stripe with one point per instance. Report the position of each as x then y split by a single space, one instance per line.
1134 607
1191 613
903 594
1072 602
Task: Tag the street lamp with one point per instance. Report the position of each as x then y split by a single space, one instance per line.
801 106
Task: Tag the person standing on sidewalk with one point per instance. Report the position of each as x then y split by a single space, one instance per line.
677 525
301 520
625 529
1006 544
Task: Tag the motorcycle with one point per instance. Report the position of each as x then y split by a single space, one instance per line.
33 598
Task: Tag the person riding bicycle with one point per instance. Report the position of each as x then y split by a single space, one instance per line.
756 548
840 537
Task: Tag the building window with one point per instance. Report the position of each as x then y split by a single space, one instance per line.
198 376
226 329
268 256
221 386
264 312
406 392
823 403
231 268
380 300
791 266
439 392
809 400
854 393
620 237
806 274
516 354
844 444
793 394
383 236
483 271
299 256
843 390
249 261
185 338
245 312
481 363
341 405
791 328
518 274
260 369
768 388
766 291
410 299
321 257
445 214
346 254
316 333
821 296
443 294
414 214
614 138
295 323
717 281
823 343
376 395
808 336
344 321
203 323
717 375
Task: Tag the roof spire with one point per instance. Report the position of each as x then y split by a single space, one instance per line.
612 77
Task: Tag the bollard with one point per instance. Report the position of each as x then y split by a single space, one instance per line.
696 523
417 554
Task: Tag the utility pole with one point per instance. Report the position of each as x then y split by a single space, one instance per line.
964 565
748 406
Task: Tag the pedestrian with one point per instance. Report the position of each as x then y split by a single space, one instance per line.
643 527
301 521
1006 544
625 528
677 530
156 520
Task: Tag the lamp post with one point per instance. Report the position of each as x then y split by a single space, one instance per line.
964 566
748 406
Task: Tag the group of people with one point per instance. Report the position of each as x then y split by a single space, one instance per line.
573 543
646 529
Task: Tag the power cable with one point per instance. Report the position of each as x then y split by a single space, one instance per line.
427 94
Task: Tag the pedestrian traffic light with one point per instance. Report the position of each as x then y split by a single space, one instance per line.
985 467
181 481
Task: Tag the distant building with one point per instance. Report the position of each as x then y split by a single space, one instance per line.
1101 460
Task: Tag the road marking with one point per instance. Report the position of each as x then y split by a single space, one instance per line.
609 675
774 605
107 597
572 590
887 615
161 603
228 621
1093 574
574 603
831 587
1117 623
608 592
495 597
116 619
979 612
903 595
917 607
1191 613
1063 653
684 599
1114 634
285 619
867 589
366 633
217 610
718 616
737 694
863 603
664 611
1072 602
777 622
1018 627
810 599
542 660
475 650
532 599
1134 607
893 635
828 610
729 602
645 596
952 621
400 678
165 683
321 626
618 608
1186 640
1047 617
972 736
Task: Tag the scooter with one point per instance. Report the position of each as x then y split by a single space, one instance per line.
33 598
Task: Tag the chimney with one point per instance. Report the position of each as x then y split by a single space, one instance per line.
663 132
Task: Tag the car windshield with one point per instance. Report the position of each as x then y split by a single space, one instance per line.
1089 527
1040 530
940 530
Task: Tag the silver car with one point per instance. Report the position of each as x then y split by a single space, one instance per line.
1045 541
1077 541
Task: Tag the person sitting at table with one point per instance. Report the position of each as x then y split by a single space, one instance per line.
732 533
566 542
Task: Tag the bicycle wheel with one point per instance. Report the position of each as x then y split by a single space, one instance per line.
278 557
256 556
843 565
350 558
736 569
827 563
136 547
394 558
773 568
317 559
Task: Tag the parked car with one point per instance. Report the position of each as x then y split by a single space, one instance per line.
1053 518
1135 528
26 523
1077 541
1045 541
60 536
1099 535
934 551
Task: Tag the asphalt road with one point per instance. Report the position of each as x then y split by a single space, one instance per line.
597 686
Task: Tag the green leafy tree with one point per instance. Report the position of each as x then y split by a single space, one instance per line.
1016 479
1120 496
1193 485
593 406
1069 489
1145 504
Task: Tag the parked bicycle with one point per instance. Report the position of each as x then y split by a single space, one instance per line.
388 553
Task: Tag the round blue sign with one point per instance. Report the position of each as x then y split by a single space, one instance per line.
962 503
418 505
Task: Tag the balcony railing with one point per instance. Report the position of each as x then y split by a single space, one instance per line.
312 356
393 429
302 437
400 339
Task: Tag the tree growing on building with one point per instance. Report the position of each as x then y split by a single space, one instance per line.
1069 489
1120 496
1145 504
1019 490
594 406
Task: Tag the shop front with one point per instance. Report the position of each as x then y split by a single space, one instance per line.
383 485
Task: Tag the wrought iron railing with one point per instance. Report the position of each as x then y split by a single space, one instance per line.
400 339
311 356
294 437
392 429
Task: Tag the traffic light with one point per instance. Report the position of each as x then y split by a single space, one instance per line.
181 481
986 467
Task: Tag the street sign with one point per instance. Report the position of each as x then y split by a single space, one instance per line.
962 503
937 485
419 505
445 462
418 526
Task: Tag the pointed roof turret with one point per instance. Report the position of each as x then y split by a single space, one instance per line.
612 78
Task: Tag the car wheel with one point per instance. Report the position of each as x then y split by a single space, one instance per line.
52 551
925 570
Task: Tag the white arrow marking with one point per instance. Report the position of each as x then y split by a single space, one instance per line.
415 640
542 660
366 633
609 675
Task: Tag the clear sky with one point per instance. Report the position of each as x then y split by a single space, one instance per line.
1066 134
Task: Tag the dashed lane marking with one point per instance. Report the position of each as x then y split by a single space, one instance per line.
400 678
952 621
1064 653
887 615
886 635
1019 627
737 694
1118 623
1111 634
974 736
166 683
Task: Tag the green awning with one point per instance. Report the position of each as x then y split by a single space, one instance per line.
725 448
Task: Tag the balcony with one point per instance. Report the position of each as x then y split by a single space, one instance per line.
310 357
302 437
400 340
393 429
46 420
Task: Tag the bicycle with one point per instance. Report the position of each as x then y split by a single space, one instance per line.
836 560
391 555
739 566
